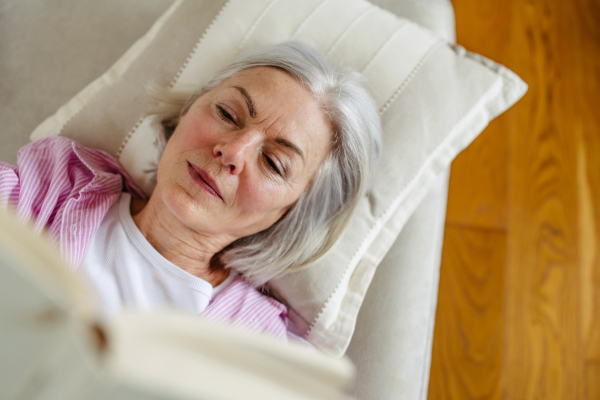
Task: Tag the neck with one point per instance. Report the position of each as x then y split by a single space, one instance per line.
189 250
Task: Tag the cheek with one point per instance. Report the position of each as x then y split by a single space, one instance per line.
261 197
198 134
186 138
197 128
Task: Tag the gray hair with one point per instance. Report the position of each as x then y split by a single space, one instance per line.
313 224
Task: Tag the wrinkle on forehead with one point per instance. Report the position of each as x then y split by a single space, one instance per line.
298 117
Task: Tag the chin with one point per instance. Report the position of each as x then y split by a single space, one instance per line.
181 203
188 209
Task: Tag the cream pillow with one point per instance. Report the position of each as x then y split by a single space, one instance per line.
434 98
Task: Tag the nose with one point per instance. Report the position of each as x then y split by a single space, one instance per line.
236 149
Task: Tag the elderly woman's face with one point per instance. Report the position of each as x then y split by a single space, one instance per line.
243 153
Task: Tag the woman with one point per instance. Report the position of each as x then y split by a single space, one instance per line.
260 173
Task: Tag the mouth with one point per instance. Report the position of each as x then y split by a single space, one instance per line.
204 180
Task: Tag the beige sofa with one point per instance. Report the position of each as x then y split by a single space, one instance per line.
49 50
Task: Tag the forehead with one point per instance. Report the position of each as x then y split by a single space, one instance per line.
264 77
272 86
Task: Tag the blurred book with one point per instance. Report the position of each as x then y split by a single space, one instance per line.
54 347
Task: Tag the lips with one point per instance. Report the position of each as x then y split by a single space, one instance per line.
204 180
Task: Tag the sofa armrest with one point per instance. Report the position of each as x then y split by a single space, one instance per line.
392 343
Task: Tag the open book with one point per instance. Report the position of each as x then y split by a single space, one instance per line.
53 347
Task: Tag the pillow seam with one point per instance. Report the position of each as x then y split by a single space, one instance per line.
308 18
175 78
200 40
349 28
104 80
255 24
409 78
385 45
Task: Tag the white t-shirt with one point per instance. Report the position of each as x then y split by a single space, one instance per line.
124 270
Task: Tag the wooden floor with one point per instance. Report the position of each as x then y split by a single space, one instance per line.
519 303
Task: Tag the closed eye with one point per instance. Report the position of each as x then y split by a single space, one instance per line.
225 116
272 165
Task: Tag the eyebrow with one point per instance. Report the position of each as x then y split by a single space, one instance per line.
248 99
291 146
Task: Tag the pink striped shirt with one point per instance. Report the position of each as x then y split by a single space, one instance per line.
67 189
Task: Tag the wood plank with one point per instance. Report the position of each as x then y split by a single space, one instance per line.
588 182
467 345
478 180
593 380
544 354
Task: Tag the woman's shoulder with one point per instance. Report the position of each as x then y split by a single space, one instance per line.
55 145
66 152
243 306
57 185
64 159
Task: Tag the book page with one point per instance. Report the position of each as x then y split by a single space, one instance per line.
51 348
38 298
39 262
174 351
